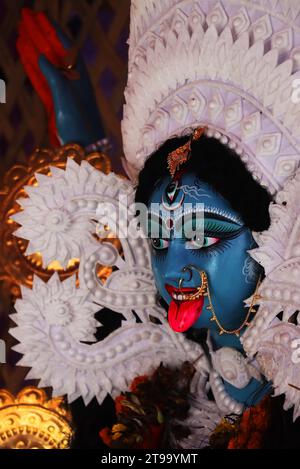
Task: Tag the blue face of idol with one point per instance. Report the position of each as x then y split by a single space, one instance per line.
190 224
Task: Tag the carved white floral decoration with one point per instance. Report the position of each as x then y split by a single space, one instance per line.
274 332
54 217
55 320
57 303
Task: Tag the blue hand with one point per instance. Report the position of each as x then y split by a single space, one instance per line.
77 115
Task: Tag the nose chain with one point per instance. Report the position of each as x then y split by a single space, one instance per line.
204 290
246 322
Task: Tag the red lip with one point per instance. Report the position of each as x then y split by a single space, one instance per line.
170 289
182 314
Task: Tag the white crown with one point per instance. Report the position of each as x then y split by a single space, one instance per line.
230 65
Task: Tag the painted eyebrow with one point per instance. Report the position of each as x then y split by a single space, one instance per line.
209 212
207 215
183 220
228 219
213 213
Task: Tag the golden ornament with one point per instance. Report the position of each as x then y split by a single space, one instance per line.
32 421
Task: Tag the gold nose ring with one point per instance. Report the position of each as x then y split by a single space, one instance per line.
181 280
202 289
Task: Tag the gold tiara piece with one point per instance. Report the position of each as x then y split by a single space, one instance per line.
182 154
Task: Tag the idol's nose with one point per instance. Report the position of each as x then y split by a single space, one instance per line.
177 270
174 264
178 277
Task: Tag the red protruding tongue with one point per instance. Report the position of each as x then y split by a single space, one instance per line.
183 314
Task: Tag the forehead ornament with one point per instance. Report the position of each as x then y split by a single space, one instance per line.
182 154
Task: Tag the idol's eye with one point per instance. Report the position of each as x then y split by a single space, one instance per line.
159 243
201 242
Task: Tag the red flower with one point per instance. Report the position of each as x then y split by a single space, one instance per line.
137 381
152 440
105 435
141 417
119 404
252 428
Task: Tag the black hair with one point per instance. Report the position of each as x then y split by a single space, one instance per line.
219 166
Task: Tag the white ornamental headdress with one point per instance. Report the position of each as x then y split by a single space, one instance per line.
230 66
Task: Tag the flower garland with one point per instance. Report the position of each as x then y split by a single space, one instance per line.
252 427
150 415
245 432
